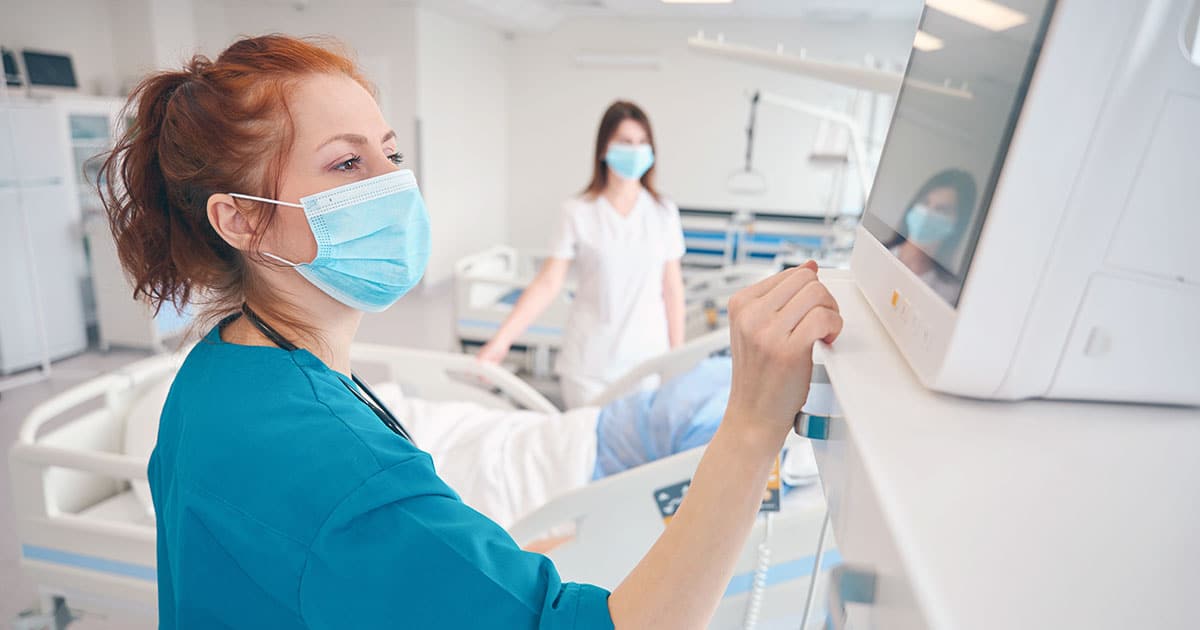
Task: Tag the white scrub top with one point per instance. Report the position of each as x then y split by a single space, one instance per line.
618 317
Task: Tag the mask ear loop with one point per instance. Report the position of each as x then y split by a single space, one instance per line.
264 200
272 201
280 260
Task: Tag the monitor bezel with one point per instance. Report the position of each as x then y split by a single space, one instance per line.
875 226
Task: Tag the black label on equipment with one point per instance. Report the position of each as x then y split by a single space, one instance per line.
669 498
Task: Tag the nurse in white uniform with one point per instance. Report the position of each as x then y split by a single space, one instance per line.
626 242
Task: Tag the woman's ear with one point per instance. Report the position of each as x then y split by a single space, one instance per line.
229 222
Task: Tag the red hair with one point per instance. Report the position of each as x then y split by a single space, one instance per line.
213 127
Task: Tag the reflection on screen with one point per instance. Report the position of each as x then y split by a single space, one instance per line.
955 115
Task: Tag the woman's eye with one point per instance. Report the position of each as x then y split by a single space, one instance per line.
396 158
348 165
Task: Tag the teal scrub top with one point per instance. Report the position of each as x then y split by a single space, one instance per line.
284 502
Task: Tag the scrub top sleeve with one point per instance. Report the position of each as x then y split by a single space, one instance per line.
675 248
566 234
403 552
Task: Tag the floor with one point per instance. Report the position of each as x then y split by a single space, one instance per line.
421 320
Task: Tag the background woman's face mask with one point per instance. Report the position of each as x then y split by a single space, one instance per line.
927 226
373 240
630 161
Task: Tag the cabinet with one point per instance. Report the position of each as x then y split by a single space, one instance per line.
41 261
118 319
56 243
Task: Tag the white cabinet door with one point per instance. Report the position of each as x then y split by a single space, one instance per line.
20 345
57 243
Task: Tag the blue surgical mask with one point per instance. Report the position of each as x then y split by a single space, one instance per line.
372 236
630 161
927 226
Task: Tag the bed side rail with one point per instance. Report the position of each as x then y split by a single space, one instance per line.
436 371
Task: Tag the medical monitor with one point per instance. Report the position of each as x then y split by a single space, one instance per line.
49 69
1022 237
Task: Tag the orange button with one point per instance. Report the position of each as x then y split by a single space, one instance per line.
895 298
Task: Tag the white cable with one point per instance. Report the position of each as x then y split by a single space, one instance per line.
758 590
816 572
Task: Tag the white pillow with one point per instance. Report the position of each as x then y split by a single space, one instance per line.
141 432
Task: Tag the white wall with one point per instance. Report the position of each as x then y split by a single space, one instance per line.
83 30
462 79
697 104
151 35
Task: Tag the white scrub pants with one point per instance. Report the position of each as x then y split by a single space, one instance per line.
579 391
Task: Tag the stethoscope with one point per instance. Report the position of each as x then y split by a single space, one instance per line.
370 400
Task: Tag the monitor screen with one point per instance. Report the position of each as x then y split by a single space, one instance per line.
12 76
49 69
966 81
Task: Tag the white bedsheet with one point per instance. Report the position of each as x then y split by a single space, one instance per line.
504 464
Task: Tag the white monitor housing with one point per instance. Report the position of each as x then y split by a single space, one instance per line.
1056 253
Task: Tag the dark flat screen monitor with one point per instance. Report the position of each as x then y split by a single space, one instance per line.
49 69
12 74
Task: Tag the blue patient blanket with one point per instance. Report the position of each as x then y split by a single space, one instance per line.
680 415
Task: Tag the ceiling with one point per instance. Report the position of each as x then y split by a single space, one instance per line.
749 9
540 15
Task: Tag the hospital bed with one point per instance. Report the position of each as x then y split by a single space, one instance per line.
665 366
724 238
610 532
82 503
486 287
84 515
707 294
616 520
488 284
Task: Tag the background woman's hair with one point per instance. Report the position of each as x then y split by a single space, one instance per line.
616 113
213 127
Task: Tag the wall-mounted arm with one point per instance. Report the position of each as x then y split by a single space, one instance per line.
850 75
857 144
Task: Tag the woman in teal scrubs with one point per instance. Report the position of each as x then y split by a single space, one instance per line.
265 186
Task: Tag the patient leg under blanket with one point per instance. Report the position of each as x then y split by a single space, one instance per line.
648 425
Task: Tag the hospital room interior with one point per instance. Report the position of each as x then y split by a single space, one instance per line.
847 314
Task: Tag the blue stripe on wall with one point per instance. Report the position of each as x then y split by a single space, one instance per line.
781 573
90 563
706 252
479 323
707 236
775 239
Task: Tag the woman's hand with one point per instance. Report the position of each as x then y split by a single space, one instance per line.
773 326
533 301
493 352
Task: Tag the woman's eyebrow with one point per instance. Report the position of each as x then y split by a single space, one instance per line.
354 138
